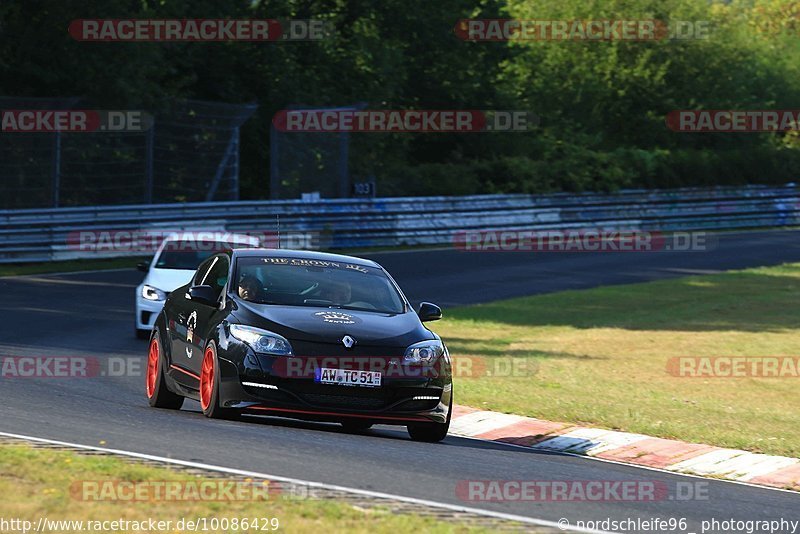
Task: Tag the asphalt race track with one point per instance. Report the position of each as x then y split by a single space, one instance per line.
91 314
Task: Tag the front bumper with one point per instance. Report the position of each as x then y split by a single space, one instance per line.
147 311
253 386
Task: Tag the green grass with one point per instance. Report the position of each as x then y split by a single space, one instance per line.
40 483
599 357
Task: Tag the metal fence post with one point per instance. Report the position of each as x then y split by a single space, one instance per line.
344 166
235 165
149 143
274 169
56 170
230 153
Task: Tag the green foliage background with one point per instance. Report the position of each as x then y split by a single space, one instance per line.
602 104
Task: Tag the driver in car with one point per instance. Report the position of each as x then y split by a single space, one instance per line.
339 293
250 288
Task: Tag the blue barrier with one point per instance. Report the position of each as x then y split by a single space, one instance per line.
43 234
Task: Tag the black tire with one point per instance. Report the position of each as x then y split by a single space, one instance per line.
354 425
431 432
210 405
158 396
142 334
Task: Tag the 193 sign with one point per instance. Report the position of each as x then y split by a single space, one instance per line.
363 189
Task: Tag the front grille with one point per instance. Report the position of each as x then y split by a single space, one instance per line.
343 401
337 349
269 394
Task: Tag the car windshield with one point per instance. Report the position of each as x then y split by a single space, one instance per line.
313 282
188 254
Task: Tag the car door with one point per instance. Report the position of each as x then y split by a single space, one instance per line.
207 317
182 329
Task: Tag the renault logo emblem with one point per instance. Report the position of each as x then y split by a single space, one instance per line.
348 342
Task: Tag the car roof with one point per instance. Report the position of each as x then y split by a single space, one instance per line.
303 254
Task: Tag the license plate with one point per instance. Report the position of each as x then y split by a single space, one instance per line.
347 377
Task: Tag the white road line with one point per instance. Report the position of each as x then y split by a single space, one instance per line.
321 485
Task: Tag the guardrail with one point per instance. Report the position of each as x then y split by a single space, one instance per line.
42 234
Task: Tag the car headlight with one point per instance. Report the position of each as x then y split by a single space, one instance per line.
152 293
261 340
424 352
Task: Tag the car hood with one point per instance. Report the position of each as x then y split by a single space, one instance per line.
168 279
329 325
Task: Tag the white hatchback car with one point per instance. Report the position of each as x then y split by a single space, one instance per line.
172 266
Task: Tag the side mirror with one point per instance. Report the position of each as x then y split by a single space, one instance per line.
143 266
203 294
429 312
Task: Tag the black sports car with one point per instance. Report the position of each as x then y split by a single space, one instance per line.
304 335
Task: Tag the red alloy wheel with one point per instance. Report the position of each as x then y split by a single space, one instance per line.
207 379
152 369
